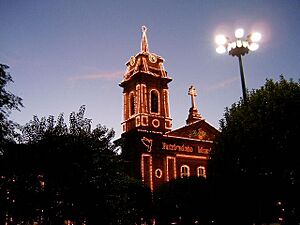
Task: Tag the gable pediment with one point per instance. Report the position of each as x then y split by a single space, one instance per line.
199 130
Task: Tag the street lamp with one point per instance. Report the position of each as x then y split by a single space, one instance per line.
238 47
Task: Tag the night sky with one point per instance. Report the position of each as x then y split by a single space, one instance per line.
64 54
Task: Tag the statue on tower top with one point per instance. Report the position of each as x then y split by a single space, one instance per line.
144 42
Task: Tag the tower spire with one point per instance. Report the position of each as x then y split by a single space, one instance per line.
144 41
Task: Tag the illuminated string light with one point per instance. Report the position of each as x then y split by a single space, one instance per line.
191 156
143 156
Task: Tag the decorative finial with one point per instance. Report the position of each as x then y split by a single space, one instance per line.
144 42
192 92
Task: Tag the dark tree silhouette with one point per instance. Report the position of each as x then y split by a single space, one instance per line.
256 156
66 172
8 102
183 201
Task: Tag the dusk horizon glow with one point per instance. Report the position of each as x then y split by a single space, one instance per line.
64 54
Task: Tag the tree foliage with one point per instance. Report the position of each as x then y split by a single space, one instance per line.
183 201
256 152
65 172
8 102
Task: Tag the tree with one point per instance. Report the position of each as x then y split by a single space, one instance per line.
8 102
62 172
256 154
136 204
183 201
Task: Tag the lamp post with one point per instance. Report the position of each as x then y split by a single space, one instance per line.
238 47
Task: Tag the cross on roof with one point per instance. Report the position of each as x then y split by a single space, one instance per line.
192 92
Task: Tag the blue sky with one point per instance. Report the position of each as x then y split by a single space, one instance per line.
64 54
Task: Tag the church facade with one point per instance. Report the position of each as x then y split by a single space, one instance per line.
154 153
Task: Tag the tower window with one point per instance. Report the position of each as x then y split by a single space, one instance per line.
184 171
131 104
201 171
154 101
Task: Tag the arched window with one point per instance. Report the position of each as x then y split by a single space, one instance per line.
201 171
154 101
184 171
131 104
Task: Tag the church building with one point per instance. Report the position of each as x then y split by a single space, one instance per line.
154 153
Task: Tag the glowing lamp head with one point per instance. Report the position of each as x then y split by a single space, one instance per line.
239 33
239 43
221 39
253 46
255 37
221 49
229 47
245 44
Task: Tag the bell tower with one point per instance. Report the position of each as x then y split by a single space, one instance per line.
145 92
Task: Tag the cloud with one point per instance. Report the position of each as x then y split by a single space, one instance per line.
223 84
99 76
